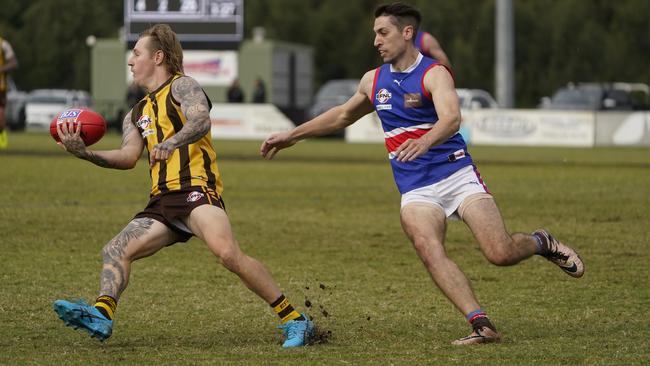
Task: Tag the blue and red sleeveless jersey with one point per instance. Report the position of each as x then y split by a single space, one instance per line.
406 111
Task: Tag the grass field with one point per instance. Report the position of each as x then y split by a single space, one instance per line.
324 219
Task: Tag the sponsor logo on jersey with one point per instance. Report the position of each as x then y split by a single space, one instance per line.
381 107
144 124
383 96
458 154
147 132
412 100
194 196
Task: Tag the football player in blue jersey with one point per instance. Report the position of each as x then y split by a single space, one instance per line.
415 99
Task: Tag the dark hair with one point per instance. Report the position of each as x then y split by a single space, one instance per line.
163 38
401 15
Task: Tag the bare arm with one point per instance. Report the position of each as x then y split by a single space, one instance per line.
334 119
195 107
124 158
431 46
11 63
440 84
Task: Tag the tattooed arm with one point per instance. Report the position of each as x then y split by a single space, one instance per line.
195 107
124 158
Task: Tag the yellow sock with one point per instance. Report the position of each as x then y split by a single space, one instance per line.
285 311
3 139
106 305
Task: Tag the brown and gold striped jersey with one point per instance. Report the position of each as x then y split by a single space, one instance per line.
3 75
158 117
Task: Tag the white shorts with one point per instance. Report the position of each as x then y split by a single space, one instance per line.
449 193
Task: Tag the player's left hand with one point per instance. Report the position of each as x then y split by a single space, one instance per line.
161 152
410 149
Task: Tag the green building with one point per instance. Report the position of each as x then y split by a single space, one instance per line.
285 68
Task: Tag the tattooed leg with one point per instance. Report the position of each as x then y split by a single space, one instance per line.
140 238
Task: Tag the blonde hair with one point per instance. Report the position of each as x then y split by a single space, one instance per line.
163 38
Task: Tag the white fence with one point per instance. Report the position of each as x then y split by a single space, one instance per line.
531 127
247 121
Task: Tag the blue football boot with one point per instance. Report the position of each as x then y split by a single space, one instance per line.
297 332
81 315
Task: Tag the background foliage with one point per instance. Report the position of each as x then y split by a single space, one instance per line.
556 41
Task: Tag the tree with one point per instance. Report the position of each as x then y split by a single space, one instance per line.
555 42
51 44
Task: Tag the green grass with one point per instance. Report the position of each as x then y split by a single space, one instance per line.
326 212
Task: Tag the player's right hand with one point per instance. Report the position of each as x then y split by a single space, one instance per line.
70 139
275 143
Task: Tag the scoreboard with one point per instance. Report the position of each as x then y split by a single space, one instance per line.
199 24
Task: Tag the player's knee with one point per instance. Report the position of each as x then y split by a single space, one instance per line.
420 244
427 250
229 256
499 256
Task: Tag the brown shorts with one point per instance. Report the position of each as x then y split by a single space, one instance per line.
3 99
170 207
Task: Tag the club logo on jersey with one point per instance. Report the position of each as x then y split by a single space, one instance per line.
412 100
194 196
383 96
144 124
69 115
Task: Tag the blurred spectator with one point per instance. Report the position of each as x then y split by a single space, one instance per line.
8 62
259 91
235 94
134 94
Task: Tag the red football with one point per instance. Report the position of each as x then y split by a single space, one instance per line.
93 125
